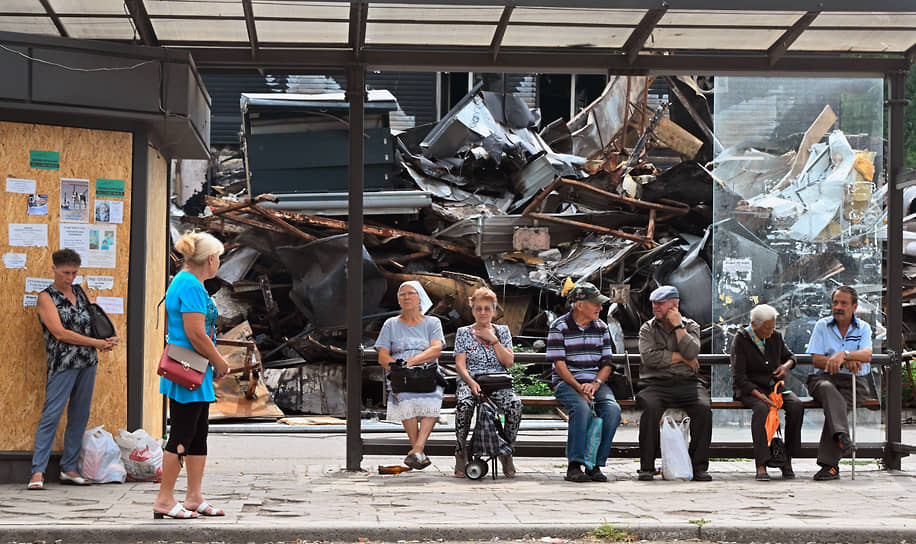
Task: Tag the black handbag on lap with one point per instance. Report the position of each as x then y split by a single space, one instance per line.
413 379
490 383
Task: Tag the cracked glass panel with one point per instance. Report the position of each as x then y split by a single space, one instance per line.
798 208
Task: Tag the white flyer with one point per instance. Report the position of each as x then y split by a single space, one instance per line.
29 300
17 185
102 247
111 305
14 260
37 285
28 234
75 237
99 282
109 211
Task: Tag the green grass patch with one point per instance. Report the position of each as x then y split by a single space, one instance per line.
609 533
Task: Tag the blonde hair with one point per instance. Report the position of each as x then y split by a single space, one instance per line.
484 293
196 247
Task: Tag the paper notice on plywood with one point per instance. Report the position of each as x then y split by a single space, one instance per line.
14 260
75 237
28 235
99 283
29 300
17 185
111 305
37 285
102 247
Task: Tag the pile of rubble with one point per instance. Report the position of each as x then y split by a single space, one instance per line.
618 196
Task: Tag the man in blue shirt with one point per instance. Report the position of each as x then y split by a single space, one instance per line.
840 345
580 347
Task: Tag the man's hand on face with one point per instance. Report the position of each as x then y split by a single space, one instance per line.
673 316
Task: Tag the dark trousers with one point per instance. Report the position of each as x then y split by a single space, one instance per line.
689 395
794 413
834 392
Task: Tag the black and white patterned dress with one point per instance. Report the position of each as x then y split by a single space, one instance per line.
481 359
61 355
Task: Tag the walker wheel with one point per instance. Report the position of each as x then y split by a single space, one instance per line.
475 469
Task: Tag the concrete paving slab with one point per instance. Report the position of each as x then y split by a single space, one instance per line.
285 488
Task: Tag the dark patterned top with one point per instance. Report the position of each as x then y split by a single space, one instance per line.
61 355
481 356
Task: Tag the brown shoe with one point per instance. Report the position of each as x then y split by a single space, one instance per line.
508 465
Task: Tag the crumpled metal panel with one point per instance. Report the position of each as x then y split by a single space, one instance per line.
693 280
509 109
236 264
319 271
595 127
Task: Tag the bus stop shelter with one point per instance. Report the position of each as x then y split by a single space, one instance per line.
798 38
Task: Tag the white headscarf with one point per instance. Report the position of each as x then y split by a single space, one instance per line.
425 302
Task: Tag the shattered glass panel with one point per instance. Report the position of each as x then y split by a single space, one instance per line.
29 25
855 40
550 36
302 31
428 33
797 209
300 10
571 16
201 30
181 7
115 7
99 28
719 38
730 18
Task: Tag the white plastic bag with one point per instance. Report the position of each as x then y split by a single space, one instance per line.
100 458
141 455
676 464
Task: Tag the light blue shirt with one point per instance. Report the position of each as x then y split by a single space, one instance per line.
827 340
186 294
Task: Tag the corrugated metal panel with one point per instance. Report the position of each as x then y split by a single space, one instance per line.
415 91
225 93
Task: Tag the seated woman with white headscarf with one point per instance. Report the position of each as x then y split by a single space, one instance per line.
413 340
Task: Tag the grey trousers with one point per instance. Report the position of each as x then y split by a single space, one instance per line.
834 392
71 389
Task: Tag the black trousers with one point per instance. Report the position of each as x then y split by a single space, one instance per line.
691 396
794 413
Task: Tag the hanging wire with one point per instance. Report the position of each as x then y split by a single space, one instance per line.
104 69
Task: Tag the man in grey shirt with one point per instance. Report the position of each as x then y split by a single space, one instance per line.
668 345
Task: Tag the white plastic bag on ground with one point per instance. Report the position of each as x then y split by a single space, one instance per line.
676 464
141 455
100 458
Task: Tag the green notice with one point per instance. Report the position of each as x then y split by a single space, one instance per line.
44 160
109 188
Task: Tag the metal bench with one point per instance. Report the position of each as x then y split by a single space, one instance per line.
556 446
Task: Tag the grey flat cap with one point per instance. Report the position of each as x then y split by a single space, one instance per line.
664 293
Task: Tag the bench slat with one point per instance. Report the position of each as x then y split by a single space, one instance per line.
718 403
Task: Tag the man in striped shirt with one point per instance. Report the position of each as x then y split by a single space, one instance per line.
580 347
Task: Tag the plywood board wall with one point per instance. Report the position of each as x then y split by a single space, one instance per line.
84 154
156 258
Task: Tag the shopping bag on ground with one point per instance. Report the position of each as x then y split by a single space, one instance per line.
593 438
676 464
141 455
100 459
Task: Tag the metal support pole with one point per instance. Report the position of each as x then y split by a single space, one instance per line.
896 103
356 94
854 406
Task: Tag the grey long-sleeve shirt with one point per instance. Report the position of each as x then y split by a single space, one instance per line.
656 346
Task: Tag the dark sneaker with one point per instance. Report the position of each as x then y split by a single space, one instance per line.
575 474
845 443
645 475
701 476
788 474
596 475
762 477
827 473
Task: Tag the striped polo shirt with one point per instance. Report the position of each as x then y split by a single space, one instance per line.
585 351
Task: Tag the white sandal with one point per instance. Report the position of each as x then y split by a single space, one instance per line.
207 509
36 486
72 480
177 512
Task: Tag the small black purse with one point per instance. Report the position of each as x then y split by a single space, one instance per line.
496 381
777 453
101 325
413 379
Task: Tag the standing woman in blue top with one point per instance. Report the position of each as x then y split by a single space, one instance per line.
191 323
